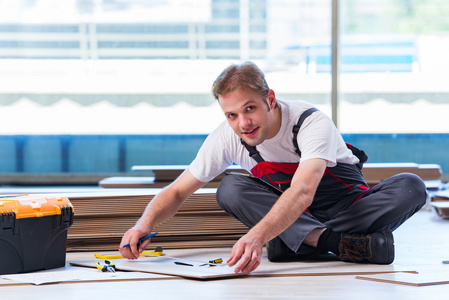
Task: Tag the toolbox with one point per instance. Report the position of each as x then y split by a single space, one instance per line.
33 232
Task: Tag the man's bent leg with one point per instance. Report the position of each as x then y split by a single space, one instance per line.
366 226
386 207
249 200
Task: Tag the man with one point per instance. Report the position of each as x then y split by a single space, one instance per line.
307 195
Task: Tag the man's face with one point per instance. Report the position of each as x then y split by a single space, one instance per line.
249 115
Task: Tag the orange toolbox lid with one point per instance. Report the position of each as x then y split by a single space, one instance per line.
30 206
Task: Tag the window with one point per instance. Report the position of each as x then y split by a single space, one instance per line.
146 67
93 76
393 66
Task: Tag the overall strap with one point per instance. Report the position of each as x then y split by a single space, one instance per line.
253 152
298 126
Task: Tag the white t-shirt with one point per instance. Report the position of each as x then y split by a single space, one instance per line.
317 138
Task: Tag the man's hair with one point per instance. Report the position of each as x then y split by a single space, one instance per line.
236 76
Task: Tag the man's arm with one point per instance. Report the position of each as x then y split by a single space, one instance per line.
287 209
162 207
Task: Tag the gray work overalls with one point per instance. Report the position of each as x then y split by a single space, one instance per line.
342 202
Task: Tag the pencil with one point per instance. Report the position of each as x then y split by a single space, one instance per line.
140 240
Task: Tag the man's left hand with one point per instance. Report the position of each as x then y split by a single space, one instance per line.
247 252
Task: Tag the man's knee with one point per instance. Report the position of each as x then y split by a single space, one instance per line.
413 188
409 197
228 190
239 194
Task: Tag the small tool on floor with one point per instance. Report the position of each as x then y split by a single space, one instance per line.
210 263
107 267
183 263
157 252
213 262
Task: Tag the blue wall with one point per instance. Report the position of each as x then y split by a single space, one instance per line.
418 148
94 153
118 153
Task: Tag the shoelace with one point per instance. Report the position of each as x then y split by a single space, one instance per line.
354 251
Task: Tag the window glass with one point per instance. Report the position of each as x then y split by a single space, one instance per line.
393 66
98 86
144 67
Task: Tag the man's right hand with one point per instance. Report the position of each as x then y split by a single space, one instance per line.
132 237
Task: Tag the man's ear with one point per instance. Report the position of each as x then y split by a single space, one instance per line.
271 99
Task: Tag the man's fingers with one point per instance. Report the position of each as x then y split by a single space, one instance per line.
252 264
133 248
246 254
132 237
129 251
236 253
245 262
143 245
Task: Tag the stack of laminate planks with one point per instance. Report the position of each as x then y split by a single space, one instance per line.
440 202
163 176
101 219
374 173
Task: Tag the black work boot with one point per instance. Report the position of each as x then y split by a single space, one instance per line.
278 251
376 248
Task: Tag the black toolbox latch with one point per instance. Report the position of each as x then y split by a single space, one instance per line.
66 216
7 221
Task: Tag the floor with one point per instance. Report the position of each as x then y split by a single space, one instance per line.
422 244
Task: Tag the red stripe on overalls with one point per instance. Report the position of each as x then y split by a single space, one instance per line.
337 178
267 168
363 187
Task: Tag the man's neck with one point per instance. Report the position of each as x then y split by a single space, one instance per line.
277 121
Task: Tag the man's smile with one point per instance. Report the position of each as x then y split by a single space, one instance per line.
250 132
